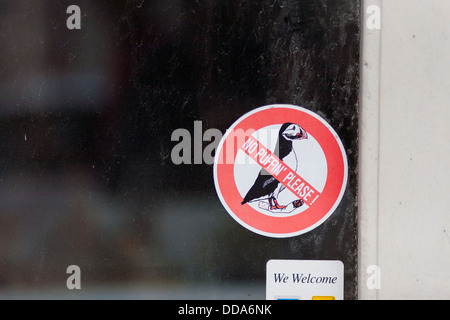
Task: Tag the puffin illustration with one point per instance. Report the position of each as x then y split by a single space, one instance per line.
266 187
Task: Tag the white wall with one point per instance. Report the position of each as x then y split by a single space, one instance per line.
405 151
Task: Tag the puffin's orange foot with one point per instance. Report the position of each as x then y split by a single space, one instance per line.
274 204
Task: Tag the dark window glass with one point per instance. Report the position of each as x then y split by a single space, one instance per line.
86 119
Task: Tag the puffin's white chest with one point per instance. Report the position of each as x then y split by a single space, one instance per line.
291 161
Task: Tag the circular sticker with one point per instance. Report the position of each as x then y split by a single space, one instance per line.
280 171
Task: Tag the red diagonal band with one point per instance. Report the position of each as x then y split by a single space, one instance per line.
280 171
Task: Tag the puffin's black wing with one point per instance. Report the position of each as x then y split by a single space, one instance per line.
264 185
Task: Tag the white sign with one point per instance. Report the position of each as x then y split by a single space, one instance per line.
305 280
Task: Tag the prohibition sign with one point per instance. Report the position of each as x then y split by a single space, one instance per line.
280 171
